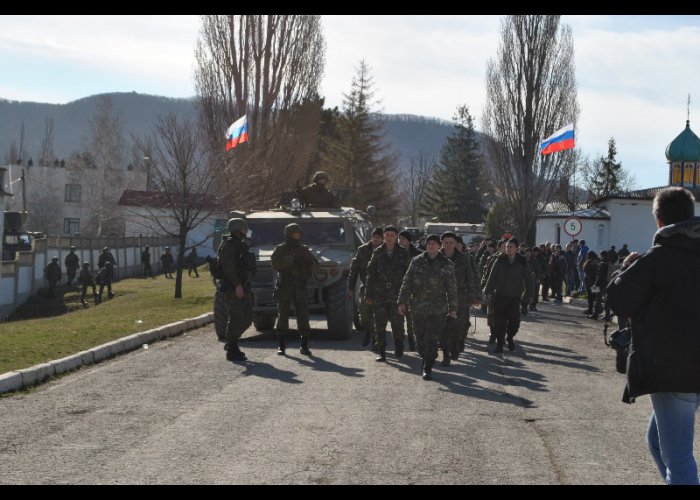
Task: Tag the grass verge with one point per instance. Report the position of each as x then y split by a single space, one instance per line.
138 305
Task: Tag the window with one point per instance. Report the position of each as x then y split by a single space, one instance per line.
601 234
71 226
676 173
73 192
557 234
697 176
688 175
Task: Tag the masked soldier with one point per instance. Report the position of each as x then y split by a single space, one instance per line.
358 269
385 273
294 264
467 295
317 194
72 264
146 261
237 266
430 289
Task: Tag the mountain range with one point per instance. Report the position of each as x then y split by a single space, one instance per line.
406 134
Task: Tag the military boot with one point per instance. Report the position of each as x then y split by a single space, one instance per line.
233 352
281 344
304 349
398 347
428 369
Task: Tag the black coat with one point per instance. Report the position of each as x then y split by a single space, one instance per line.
660 293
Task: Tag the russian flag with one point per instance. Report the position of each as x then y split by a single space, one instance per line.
559 140
237 133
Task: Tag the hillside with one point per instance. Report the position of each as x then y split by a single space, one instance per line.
406 134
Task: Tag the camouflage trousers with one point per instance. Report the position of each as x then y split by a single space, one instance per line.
428 329
288 296
240 315
386 311
455 332
366 315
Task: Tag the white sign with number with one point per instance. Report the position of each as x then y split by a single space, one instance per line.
573 226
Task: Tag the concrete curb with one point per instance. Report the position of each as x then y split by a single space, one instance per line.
34 375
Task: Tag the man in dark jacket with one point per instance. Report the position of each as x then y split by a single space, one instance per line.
146 261
509 281
659 292
317 195
52 272
358 269
72 264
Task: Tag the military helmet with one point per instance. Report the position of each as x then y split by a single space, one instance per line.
146 246
237 225
105 249
321 175
72 248
292 228
55 259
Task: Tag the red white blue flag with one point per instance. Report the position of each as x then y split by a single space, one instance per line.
559 140
237 133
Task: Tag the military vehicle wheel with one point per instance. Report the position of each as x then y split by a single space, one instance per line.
339 311
220 314
264 321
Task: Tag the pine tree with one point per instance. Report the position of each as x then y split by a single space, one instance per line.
358 159
607 174
455 193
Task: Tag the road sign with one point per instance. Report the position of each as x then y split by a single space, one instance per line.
573 226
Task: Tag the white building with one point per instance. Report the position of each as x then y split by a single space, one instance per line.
625 217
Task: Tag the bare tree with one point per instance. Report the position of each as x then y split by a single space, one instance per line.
179 166
47 156
269 68
531 92
412 190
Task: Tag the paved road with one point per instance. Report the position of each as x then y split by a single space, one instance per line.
179 413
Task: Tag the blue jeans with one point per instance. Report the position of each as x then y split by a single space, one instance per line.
582 278
670 435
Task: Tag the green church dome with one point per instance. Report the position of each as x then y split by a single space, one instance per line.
685 147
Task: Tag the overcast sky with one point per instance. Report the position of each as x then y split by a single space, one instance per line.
634 73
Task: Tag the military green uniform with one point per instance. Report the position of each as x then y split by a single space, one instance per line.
358 269
86 280
467 293
429 288
72 264
316 195
412 252
53 275
385 274
237 267
294 264
488 266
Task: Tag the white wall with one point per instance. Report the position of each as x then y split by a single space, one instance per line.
546 231
632 223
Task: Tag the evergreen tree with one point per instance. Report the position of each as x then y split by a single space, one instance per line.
455 193
607 174
357 158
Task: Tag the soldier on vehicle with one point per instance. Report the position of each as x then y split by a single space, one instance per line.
237 266
52 272
104 279
167 260
72 264
294 264
385 273
430 289
317 194
86 280
467 295
146 261
358 269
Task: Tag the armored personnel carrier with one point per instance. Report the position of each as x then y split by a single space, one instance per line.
333 236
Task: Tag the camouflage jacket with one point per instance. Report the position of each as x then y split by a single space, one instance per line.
358 267
385 274
315 195
237 263
72 261
488 266
510 279
294 262
467 286
429 286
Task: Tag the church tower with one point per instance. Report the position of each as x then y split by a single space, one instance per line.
683 155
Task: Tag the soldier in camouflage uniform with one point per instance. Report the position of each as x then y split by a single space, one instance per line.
52 272
467 295
430 289
72 264
405 241
358 269
317 194
294 264
385 273
237 266
488 265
